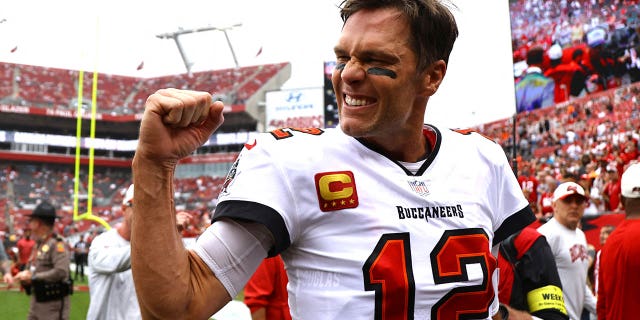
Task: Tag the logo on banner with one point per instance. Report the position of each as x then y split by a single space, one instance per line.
419 187
336 190
294 97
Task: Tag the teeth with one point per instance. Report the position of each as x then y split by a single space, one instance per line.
355 102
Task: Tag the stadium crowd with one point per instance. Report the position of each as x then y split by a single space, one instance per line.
25 85
589 46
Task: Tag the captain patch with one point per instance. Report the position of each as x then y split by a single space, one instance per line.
336 190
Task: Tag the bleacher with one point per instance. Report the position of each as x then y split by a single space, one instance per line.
615 109
57 88
31 183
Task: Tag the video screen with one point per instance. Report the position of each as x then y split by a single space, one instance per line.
566 50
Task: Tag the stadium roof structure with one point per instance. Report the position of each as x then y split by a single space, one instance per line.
31 119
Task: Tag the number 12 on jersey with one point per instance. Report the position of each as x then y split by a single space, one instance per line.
388 271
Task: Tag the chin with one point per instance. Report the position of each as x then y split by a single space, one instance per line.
351 129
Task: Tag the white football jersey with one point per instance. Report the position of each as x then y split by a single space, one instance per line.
363 238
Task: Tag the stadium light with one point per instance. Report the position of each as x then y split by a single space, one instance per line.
176 34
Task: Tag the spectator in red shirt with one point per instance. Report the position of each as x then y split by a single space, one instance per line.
629 151
546 198
25 247
563 74
529 184
611 192
266 292
619 280
598 62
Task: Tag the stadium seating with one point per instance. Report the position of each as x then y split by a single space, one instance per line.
57 88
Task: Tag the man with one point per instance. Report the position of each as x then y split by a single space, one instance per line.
612 190
534 90
383 199
5 266
25 248
48 283
529 280
111 289
569 246
619 281
605 231
80 255
529 184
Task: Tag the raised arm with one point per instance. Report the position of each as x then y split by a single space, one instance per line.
171 282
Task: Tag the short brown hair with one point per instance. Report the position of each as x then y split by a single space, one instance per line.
433 26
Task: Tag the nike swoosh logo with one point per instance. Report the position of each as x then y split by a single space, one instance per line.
250 146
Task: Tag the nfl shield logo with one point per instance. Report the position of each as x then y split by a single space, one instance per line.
419 187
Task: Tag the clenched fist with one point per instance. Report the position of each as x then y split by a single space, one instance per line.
175 123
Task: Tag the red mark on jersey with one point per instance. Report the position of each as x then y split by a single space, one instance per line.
250 146
336 190
578 251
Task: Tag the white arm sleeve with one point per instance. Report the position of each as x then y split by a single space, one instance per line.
233 251
590 301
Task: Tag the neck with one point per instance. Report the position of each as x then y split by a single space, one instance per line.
408 151
44 235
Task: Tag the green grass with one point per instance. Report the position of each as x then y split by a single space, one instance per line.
15 304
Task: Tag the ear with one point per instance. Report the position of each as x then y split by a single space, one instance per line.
432 77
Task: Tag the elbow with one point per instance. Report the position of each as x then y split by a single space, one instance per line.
161 297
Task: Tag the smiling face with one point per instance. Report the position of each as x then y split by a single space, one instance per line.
381 96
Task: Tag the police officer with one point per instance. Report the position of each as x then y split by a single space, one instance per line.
48 273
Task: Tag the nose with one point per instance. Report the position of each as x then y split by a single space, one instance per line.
352 72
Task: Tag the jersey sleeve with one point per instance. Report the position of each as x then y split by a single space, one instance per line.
257 190
512 207
106 258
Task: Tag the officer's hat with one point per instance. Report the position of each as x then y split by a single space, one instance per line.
44 211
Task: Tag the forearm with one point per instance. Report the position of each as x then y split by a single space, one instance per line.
159 261
51 275
259 314
590 300
171 282
5 266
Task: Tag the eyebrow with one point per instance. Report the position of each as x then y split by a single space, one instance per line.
376 54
